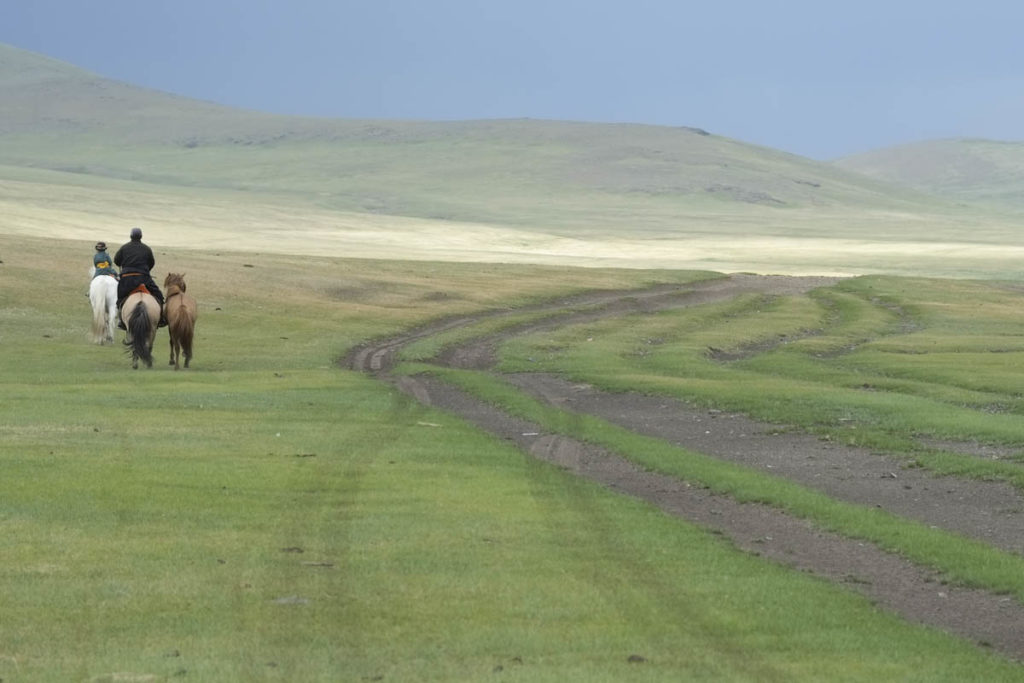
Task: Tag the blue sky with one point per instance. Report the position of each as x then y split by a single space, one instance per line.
819 79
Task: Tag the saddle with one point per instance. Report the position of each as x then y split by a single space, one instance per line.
141 289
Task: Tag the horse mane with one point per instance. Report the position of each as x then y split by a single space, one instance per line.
176 281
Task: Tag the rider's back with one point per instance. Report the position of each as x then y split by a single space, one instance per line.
101 264
135 257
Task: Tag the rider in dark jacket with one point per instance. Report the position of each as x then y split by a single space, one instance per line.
136 260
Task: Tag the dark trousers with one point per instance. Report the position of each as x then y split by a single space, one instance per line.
128 283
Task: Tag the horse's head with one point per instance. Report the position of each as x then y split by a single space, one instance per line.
175 279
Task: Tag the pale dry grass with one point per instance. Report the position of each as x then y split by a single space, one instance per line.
805 243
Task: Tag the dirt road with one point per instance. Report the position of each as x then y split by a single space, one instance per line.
987 511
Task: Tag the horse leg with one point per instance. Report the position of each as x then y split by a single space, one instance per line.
111 321
128 343
97 323
171 343
152 339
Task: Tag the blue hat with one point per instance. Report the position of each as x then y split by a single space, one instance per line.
136 234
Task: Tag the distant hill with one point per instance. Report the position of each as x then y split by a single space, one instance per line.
44 96
985 171
563 175
84 157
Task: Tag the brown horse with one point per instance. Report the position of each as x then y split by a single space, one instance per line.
141 314
181 312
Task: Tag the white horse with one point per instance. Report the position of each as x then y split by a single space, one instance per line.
103 297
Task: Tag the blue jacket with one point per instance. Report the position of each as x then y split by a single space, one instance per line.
102 264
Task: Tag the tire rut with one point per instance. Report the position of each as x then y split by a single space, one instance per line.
983 510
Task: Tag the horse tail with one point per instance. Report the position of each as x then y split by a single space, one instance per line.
99 320
99 311
139 327
188 328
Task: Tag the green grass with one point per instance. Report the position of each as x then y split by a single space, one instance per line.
499 321
151 520
960 560
879 362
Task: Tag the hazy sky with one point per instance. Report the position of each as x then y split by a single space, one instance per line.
817 78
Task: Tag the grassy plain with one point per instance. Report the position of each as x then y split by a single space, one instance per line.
719 237
961 561
928 369
878 361
268 515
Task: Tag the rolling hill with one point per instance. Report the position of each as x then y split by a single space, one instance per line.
84 153
983 171
55 116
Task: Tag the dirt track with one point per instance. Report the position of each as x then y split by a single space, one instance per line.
987 511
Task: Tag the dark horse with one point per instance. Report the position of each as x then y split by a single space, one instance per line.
181 312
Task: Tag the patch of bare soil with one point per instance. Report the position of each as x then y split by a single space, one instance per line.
989 511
